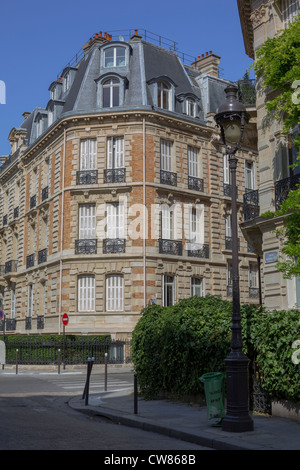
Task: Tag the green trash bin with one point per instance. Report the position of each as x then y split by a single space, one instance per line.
214 387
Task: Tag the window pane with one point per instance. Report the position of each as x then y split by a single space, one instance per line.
120 56
106 97
86 293
109 57
116 93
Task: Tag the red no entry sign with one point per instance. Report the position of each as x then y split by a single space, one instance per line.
65 319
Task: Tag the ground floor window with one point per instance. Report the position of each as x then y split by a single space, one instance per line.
197 287
168 290
86 293
114 293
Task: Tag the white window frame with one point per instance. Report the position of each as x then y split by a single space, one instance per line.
193 162
13 304
88 154
115 60
87 221
114 293
196 225
226 170
249 176
166 151
163 95
115 223
86 293
167 222
30 301
228 226
111 84
190 107
253 275
115 152
197 286
168 281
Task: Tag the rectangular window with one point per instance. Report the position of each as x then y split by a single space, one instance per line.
227 177
30 300
115 152
88 155
167 223
86 293
87 222
253 276
197 287
168 290
13 304
115 221
228 228
193 165
166 155
249 176
196 228
114 293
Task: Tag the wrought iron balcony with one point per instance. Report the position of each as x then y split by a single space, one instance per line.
170 247
228 190
30 260
10 324
253 292
32 201
85 246
40 324
196 184
115 175
16 212
4 219
87 177
228 243
198 250
283 187
28 323
45 193
42 256
114 245
167 177
11 266
251 206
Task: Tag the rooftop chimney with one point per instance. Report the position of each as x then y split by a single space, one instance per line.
208 63
97 38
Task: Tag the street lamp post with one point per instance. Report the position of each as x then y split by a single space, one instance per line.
231 117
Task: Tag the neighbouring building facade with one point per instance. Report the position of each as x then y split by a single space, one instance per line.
261 20
117 193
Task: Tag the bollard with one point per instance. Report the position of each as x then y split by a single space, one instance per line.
105 373
87 384
16 361
58 361
135 395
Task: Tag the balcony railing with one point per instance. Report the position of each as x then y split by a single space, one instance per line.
228 190
11 266
40 322
228 243
283 187
85 246
167 177
114 245
87 177
45 193
16 212
115 175
4 220
30 261
251 205
253 292
42 256
196 184
33 201
10 324
170 247
28 323
198 250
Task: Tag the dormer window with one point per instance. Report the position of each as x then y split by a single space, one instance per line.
39 127
115 57
191 107
66 82
111 93
50 117
163 97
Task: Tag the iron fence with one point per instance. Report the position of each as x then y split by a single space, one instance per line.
39 351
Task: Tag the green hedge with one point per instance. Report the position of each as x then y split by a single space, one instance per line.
173 346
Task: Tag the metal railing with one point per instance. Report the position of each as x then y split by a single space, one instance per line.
251 205
168 177
196 184
44 351
85 247
115 175
197 250
114 245
283 187
87 177
170 247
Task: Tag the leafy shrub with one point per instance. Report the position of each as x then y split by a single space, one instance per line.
173 346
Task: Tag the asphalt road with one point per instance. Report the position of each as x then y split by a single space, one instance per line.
35 415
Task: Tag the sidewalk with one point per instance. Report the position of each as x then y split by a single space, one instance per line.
190 423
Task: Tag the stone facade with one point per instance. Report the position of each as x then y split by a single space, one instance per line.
51 263
261 20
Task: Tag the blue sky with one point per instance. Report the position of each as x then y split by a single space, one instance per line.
38 38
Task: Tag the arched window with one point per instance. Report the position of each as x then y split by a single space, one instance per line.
111 93
163 93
